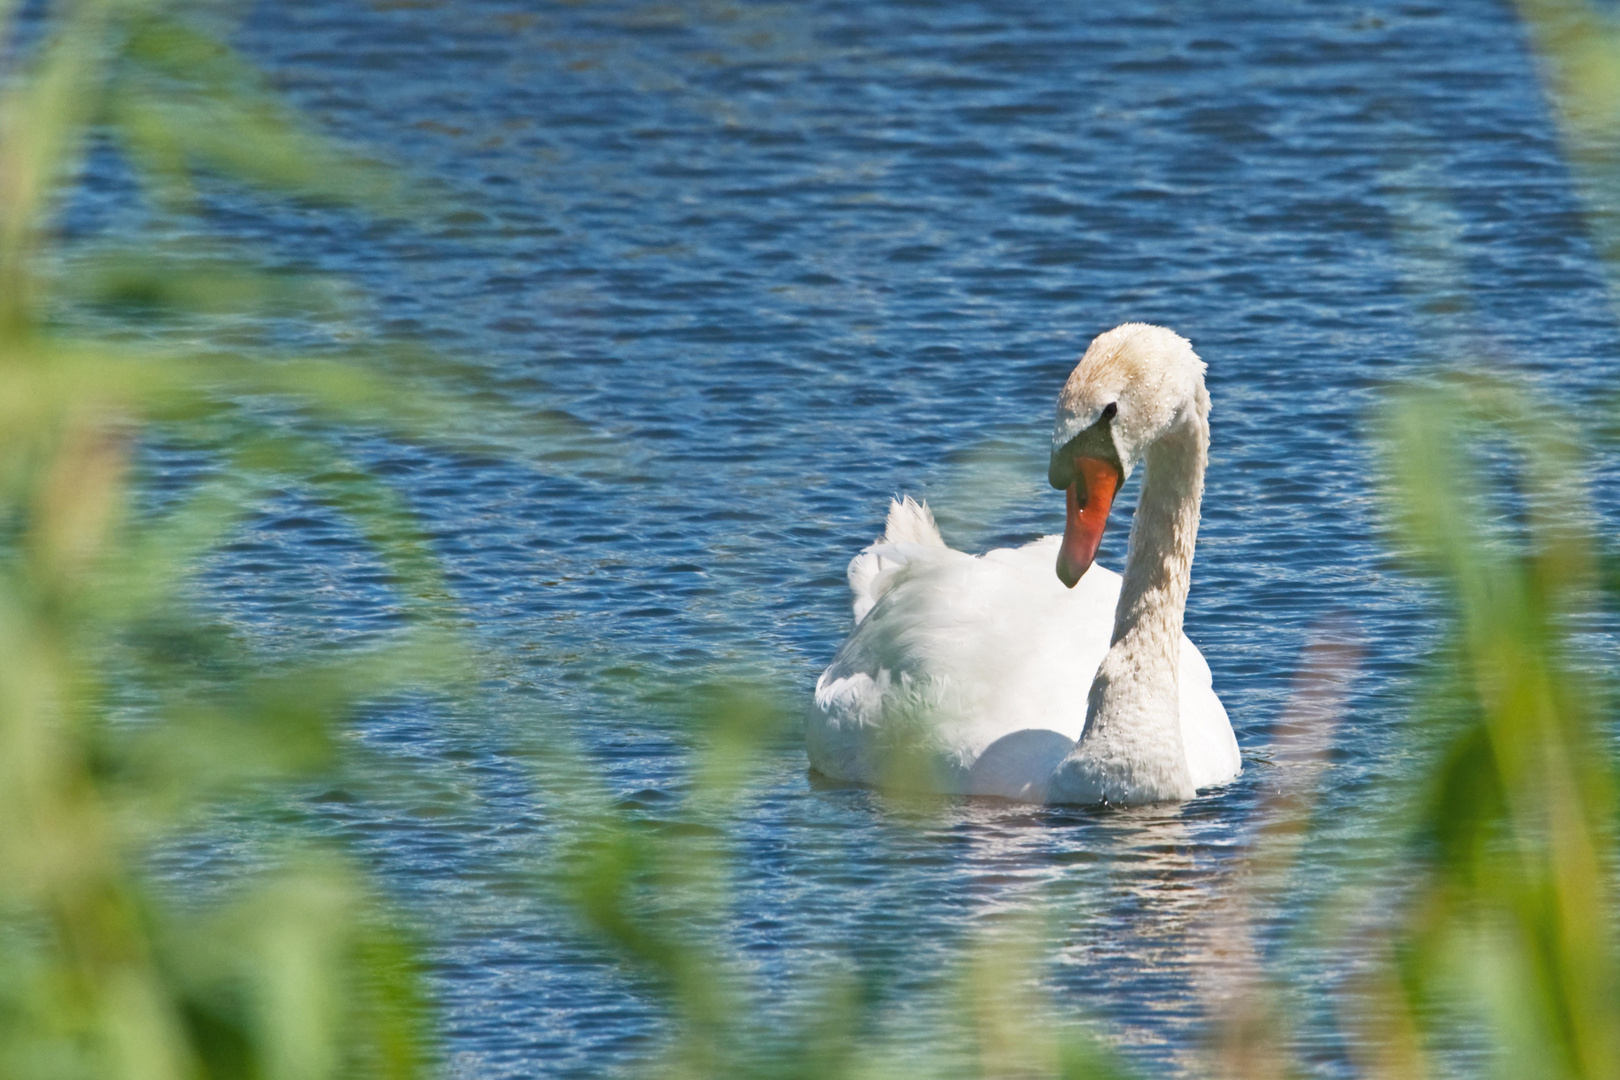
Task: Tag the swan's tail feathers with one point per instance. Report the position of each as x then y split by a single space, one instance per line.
911 522
874 571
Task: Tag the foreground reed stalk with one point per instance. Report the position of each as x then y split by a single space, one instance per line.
127 716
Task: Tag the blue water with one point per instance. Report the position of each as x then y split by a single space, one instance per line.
753 268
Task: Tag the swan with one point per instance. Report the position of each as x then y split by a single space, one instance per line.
961 675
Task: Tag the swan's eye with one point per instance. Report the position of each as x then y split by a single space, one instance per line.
1110 409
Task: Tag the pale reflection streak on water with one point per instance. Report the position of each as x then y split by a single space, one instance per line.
773 263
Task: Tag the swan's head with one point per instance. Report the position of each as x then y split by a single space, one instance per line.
1134 384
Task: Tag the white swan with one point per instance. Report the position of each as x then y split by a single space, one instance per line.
963 673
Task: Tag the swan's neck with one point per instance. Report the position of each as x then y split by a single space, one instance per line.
1132 750
1158 565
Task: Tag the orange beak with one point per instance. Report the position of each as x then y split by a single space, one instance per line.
1090 497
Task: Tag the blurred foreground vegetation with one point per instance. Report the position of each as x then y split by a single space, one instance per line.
129 715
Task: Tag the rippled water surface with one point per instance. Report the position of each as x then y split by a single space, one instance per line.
759 267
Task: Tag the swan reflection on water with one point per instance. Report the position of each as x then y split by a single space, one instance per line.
1113 905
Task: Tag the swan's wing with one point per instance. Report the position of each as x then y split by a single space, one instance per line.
884 680
878 567
911 522
1206 732
955 653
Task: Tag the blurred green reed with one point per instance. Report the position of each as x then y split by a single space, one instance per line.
1508 926
128 715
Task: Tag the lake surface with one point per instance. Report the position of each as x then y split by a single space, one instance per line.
759 267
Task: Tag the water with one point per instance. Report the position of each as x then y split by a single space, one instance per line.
763 266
